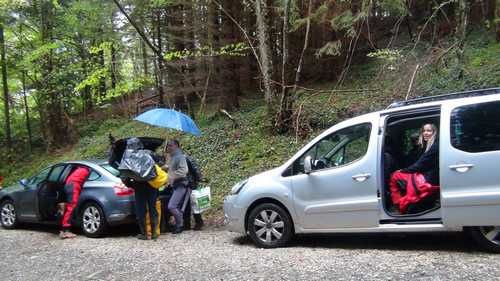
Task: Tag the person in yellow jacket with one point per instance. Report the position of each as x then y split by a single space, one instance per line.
159 182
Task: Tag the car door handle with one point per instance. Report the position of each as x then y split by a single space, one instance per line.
462 168
361 177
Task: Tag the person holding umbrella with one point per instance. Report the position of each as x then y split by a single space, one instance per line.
177 168
177 179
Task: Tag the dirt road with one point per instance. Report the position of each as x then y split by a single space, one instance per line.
36 254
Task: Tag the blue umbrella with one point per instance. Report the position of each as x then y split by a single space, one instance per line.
169 118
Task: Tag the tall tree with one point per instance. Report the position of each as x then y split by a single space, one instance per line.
6 102
265 55
497 19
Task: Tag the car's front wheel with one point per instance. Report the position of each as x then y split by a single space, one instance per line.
269 226
93 220
8 217
488 237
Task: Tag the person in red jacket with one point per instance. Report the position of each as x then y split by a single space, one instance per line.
74 183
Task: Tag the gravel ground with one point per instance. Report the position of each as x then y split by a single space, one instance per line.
35 253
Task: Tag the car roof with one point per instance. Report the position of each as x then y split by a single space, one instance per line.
88 162
94 164
435 101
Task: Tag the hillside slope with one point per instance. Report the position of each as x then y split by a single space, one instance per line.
228 154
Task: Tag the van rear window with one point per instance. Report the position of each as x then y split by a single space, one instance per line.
476 127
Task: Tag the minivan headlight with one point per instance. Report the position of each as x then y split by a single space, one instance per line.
237 187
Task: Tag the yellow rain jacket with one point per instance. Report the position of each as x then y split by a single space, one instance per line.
161 178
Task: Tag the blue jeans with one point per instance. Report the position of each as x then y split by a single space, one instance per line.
176 202
145 199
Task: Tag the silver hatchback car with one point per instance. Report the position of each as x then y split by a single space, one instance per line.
339 182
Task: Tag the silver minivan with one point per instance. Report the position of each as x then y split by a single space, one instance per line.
338 183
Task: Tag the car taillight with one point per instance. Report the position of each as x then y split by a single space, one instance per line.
122 190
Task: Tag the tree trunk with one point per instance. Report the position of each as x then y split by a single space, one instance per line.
213 69
102 80
230 69
8 137
145 64
497 19
58 131
284 111
88 102
159 57
462 18
114 62
265 55
27 112
114 69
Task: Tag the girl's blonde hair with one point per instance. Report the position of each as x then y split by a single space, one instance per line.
431 141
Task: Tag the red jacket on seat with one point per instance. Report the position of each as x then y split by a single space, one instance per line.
409 188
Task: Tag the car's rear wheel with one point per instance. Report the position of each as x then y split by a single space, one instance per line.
93 220
8 217
488 237
269 226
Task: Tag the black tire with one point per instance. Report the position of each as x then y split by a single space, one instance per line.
8 216
269 226
487 237
93 221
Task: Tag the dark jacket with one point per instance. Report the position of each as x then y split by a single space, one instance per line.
427 164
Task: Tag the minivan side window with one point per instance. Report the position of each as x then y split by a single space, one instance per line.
476 128
338 149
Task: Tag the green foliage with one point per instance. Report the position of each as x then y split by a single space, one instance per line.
394 7
390 57
333 48
480 70
345 22
235 49
93 80
129 86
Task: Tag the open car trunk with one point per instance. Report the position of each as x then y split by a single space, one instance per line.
119 146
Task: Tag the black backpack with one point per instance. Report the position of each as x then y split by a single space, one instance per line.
194 174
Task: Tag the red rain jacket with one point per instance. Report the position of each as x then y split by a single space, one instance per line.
409 188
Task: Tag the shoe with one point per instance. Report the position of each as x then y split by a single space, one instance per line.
198 227
177 230
186 228
142 237
154 236
66 235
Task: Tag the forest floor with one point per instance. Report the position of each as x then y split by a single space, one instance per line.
228 154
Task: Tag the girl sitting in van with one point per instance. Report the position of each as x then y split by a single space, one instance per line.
428 163
414 188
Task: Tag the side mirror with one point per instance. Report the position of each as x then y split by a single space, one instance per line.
308 165
23 182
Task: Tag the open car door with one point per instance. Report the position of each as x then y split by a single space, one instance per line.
50 191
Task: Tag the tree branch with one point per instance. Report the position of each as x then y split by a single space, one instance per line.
138 29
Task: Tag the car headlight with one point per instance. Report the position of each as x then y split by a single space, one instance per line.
237 187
